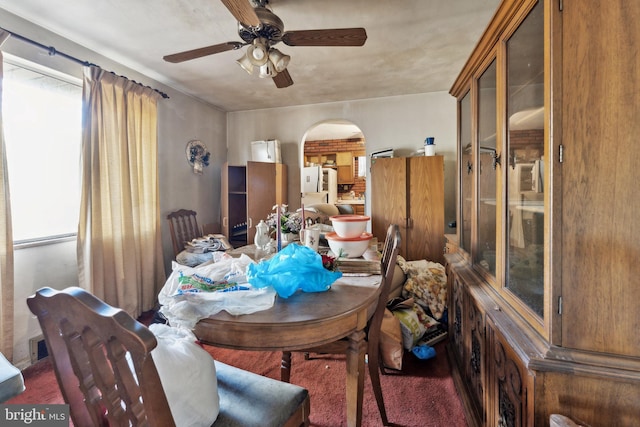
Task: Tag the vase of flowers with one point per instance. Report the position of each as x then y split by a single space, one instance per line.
290 223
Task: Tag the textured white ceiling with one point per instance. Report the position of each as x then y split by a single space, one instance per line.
413 46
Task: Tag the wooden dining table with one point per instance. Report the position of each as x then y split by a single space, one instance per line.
304 320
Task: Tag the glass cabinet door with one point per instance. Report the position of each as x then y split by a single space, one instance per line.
466 172
524 173
485 254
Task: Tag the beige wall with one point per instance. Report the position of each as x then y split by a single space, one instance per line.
181 119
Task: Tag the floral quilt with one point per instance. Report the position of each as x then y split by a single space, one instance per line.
426 283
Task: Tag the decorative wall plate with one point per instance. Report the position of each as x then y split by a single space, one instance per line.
197 155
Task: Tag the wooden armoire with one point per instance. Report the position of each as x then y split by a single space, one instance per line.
248 195
409 191
544 290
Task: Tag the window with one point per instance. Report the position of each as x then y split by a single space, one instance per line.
42 119
362 166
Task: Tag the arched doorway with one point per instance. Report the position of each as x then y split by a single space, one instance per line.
333 165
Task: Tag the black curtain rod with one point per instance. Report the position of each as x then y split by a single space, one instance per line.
52 52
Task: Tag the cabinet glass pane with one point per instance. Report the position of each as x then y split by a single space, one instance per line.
525 148
466 173
485 256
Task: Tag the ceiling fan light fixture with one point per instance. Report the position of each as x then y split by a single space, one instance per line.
257 53
245 63
279 60
267 70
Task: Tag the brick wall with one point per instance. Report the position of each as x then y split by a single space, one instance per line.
354 145
527 145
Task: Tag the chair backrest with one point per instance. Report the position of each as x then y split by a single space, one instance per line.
390 252
88 341
183 227
388 264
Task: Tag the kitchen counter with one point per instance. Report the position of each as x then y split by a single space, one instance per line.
350 202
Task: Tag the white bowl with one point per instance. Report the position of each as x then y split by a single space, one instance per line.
349 247
349 225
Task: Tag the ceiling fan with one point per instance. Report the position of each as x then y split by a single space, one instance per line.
261 29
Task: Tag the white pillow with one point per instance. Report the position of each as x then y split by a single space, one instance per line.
188 376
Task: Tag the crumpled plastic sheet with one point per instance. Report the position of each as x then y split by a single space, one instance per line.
186 309
294 267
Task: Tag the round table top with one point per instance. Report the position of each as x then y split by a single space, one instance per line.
303 320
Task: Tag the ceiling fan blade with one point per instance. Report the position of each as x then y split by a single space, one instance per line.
203 51
283 79
335 37
243 12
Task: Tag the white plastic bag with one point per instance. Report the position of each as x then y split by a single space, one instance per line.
188 376
187 308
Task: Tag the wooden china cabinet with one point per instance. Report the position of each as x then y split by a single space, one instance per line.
544 307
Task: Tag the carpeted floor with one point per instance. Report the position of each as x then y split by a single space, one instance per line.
422 395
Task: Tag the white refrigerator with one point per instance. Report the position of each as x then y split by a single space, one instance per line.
312 193
329 184
319 185
311 179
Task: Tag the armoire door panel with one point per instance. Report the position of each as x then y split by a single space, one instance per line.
425 208
224 200
261 182
389 201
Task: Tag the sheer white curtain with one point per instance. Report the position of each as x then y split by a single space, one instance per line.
6 238
119 242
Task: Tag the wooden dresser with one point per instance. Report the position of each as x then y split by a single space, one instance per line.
544 286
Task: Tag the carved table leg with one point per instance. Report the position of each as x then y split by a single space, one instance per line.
355 378
285 366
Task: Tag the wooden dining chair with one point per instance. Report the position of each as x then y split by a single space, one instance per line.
183 227
388 262
89 341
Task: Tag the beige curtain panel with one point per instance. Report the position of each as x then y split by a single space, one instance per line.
6 238
119 241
